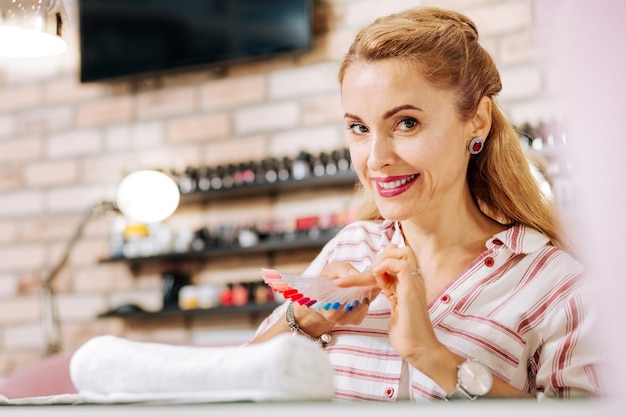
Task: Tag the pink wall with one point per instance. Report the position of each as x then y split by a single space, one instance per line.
591 37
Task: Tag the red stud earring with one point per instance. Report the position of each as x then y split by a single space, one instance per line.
476 145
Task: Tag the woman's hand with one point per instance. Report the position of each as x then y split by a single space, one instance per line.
411 333
343 275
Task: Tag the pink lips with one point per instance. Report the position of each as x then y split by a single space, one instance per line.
393 186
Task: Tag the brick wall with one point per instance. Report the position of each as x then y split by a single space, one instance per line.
66 145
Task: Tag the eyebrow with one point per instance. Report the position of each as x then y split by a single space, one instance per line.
387 114
400 108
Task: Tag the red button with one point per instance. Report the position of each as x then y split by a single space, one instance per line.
489 262
389 392
497 242
445 298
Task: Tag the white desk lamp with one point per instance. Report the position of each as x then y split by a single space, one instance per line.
143 196
32 28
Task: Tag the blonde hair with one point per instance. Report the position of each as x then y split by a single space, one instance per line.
444 46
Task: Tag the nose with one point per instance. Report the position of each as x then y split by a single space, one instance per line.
382 152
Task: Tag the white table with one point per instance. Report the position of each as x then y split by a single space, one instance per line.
483 408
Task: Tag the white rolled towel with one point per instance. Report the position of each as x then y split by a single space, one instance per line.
109 369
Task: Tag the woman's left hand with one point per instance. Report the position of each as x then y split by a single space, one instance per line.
410 329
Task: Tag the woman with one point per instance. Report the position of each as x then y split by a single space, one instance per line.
474 292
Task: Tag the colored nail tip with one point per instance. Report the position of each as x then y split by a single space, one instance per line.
295 297
336 305
310 303
270 273
303 300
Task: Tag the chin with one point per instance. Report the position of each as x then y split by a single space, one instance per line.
393 215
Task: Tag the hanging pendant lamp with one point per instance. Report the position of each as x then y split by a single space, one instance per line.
32 28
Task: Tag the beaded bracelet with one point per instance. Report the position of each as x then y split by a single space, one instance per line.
323 340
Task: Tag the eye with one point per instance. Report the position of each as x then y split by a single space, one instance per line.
357 128
407 124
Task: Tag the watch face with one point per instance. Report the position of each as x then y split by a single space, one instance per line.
475 377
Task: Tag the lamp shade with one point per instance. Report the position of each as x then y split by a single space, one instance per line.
32 28
147 196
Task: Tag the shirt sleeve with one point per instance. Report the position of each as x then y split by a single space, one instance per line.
568 358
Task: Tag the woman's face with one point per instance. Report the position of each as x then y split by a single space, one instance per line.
407 143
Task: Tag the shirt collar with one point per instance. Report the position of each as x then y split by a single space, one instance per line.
518 238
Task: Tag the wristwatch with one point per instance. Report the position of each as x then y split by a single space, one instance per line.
474 380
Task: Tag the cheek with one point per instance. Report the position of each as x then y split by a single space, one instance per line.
358 154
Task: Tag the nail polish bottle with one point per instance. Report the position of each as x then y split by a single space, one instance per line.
343 159
259 173
238 175
226 295
249 172
319 165
284 169
216 178
187 183
301 166
228 178
240 295
204 179
271 175
331 164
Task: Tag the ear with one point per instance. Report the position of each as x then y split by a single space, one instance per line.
481 121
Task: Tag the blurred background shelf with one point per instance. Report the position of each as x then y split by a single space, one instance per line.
272 245
342 179
250 309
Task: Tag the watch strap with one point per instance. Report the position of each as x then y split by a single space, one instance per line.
460 394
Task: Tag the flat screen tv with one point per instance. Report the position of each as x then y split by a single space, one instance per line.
128 38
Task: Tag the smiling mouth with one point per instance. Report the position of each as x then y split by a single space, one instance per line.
393 186
390 185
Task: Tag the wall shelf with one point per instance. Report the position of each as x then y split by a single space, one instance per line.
250 309
269 246
341 179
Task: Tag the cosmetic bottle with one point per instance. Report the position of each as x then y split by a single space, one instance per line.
271 175
188 297
249 172
172 283
284 169
247 237
240 295
226 295
228 179
330 164
343 159
187 183
198 242
301 166
204 179
318 164
260 292
238 174
259 174
216 178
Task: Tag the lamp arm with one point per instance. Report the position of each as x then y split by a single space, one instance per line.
49 319
94 211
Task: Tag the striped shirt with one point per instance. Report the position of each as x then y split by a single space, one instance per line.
521 307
